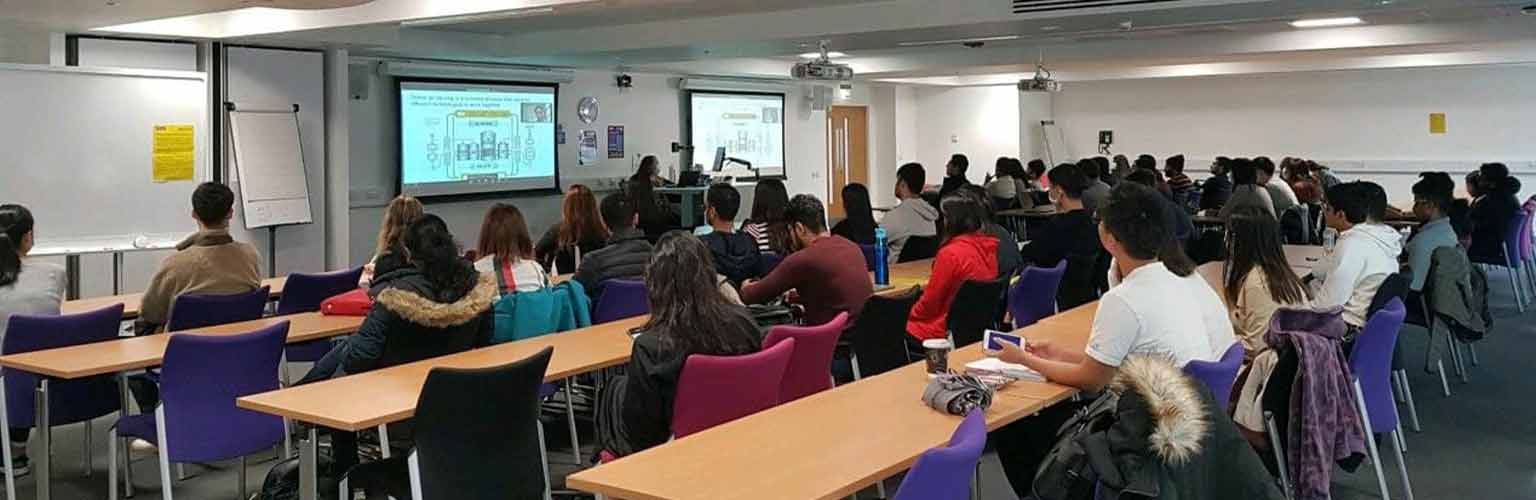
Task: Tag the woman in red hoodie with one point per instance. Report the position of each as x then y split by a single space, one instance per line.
968 253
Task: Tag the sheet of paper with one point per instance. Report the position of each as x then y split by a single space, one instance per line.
1437 123
173 158
586 154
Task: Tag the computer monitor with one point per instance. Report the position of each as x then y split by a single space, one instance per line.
719 159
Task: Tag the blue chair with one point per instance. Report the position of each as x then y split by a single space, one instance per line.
620 299
197 420
945 473
1033 298
303 293
1218 376
1370 364
198 310
69 401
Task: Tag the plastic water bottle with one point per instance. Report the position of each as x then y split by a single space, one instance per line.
882 269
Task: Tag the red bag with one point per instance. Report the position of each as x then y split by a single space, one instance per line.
353 303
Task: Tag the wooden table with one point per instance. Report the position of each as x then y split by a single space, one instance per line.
120 356
132 301
378 397
824 446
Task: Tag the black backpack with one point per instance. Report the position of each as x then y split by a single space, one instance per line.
1067 472
282 482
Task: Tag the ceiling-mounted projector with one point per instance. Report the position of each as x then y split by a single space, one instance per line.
1041 82
822 68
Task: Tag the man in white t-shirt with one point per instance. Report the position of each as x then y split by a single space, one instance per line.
1149 309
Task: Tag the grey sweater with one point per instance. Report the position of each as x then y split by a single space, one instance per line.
913 217
39 289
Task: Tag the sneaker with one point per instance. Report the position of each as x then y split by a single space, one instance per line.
142 446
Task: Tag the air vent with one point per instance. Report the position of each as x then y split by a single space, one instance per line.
1034 6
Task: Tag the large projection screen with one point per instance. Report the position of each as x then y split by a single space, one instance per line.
462 137
749 125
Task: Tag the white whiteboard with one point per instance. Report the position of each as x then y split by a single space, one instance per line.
1055 143
77 147
274 189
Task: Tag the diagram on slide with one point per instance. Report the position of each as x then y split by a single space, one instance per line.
749 127
476 137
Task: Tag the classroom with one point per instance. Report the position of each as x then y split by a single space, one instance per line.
776 250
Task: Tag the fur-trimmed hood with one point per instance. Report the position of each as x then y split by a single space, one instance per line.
1173 404
421 310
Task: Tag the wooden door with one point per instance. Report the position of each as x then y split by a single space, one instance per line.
847 153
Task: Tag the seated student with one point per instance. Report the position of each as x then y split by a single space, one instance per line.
389 253
626 253
954 174
27 286
1122 167
1097 191
1072 230
437 305
1035 175
1257 282
634 411
827 272
968 253
656 215
1215 190
1433 204
1104 172
735 253
207 262
1183 225
1492 207
912 216
1280 193
580 231
1001 189
1149 163
859 224
1246 190
1009 260
1364 255
1178 183
506 251
1150 309
768 201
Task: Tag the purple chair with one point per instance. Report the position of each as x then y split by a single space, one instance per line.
197 310
69 401
869 256
810 368
1511 250
620 299
945 473
713 390
1371 365
303 293
197 420
1218 376
1034 297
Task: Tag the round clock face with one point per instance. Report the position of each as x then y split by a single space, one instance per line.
586 110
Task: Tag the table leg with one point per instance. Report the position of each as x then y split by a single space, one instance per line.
44 454
123 400
687 211
309 476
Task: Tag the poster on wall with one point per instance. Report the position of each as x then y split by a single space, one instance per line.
587 153
615 142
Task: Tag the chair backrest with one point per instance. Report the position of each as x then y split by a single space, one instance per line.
810 368
1034 297
1371 364
620 299
945 473
869 256
978 305
1080 282
1525 233
1219 375
879 333
713 390
303 292
918 248
1395 286
70 401
1513 234
193 310
199 381
477 431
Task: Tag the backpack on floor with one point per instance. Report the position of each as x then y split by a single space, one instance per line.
282 482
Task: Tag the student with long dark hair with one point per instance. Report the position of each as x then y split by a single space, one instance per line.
859 224
27 286
580 231
506 251
968 253
768 201
656 215
1257 281
688 316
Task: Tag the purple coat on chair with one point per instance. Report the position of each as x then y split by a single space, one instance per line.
1324 425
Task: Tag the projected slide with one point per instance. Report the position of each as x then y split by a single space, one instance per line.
749 126
466 138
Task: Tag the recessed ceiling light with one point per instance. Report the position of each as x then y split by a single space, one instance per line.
830 55
1325 22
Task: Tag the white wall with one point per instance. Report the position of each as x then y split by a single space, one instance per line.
23 44
1368 124
979 122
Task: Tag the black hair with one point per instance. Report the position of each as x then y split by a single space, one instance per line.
618 212
687 309
856 205
1103 166
1175 163
806 210
725 199
1036 168
1474 184
1145 161
642 193
768 201
1144 176
212 203
1438 189
1070 179
1243 172
979 195
434 252
1089 168
1359 200
15 222
963 214
960 161
913 176
1134 215
1264 164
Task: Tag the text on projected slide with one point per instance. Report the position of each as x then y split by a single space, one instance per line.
748 126
467 138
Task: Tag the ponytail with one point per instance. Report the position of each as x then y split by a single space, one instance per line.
15 222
